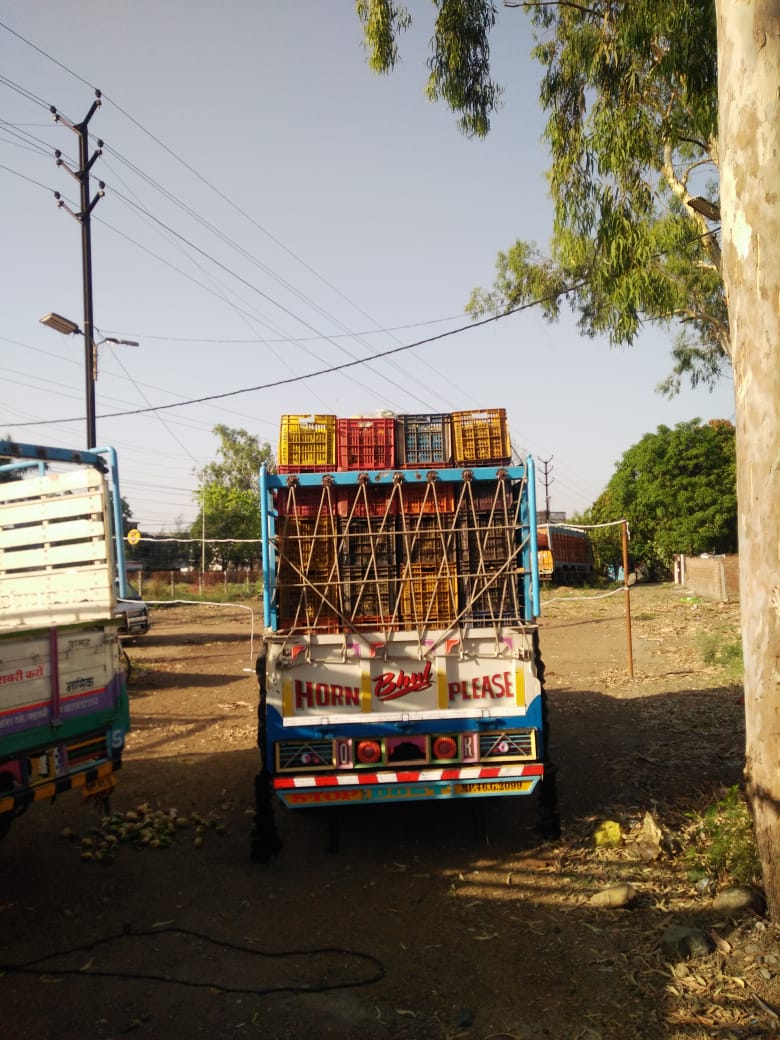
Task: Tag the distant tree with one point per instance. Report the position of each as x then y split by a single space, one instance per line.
240 456
230 513
678 490
229 497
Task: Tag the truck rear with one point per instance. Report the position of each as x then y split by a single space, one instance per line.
63 694
401 656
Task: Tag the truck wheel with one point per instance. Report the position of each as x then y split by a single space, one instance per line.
265 838
548 823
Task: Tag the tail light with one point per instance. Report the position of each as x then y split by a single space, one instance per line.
369 752
445 747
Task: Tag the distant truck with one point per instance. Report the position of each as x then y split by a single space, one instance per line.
565 554
63 693
401 656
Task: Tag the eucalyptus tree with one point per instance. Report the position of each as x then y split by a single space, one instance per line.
630 92
664 135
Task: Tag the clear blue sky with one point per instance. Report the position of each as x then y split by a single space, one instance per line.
273 208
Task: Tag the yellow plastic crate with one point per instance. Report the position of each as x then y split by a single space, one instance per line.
307 443
428 597
481 437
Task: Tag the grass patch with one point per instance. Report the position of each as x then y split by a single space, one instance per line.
721 651
723 845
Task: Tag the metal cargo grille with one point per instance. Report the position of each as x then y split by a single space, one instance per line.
407 554
514 745
308 754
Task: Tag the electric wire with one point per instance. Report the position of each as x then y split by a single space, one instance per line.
35 965
213 188
34 98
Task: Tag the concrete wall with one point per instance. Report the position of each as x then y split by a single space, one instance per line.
716 577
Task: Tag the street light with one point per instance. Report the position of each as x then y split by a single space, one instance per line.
70 328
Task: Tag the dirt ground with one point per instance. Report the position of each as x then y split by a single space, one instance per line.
432 921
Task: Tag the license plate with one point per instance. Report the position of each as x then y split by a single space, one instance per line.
100 788
493 788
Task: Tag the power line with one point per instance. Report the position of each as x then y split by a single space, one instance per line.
357 361
312 375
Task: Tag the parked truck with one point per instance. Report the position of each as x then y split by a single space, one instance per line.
565 554
63 694
401 656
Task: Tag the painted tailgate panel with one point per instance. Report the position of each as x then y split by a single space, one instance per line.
323 679
88 661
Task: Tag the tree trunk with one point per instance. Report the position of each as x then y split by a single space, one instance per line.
749 145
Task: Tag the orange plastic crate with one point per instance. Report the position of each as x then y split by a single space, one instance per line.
426 497
481 437
307 444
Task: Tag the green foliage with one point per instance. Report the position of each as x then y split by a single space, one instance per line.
724 845
677 489
459 64
169 550
382 21
240 456
229 498
226 591
630 93
631 96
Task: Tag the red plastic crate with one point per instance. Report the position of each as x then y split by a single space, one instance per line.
305 502
365 443
374 500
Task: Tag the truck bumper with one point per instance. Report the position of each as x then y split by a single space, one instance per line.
355 788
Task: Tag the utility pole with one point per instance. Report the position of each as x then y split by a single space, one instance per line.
547 480
83 217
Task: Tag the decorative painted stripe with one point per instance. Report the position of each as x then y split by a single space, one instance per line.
51 788
405 776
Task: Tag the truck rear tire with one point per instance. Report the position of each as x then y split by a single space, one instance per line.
548 823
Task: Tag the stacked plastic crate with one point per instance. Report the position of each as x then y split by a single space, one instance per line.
308 587
487 521
487 524
426 510
396 548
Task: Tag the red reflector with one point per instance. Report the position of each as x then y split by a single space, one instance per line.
445 747
368 752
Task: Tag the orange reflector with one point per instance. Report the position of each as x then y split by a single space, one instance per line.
445 747
368 752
